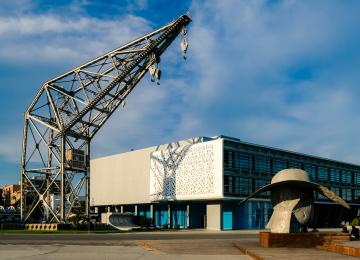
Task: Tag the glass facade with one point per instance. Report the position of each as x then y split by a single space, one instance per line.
248 167
297 165
336 190
236 185
346 177
245 161
261 183
279 165
335 175
228 159
357 178
320 196
245 186
357 195
346 194
311 170
322 175
262 164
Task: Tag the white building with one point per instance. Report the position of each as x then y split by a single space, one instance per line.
197 183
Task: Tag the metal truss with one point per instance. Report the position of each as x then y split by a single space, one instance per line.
68 111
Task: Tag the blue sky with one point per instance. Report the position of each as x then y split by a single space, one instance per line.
277 73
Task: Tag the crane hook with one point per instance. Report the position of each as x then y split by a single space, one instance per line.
184 42
183 31
184 46
155 73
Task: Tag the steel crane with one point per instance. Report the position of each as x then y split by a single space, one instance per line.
69 110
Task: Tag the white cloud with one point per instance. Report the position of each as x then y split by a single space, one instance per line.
238 80
47 39
136 5
241 55
50 38
15 7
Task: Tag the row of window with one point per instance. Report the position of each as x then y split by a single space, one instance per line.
239 186
266 165
344 193
243 186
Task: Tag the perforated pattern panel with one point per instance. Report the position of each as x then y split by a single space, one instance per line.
187 170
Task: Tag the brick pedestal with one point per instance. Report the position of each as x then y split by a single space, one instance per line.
305 240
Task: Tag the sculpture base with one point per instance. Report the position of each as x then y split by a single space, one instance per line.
299 240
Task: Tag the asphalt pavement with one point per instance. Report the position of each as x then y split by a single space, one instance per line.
183 245
118 238
164 245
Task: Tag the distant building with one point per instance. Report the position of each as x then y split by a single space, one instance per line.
197 183
9 203
10 195
2 196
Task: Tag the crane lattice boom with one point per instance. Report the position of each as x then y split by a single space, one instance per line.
68 111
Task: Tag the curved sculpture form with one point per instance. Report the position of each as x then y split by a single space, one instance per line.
292 196
121 221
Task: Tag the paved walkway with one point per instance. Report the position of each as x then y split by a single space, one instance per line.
234 247
355 244
154 245
194 247
61 252
254 249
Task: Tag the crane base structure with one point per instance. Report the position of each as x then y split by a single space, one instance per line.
66 114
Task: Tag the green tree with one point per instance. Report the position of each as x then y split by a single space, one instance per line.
355 222
77 215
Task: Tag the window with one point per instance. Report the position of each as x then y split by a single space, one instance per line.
334 175
346 194
346 177
322 174
296 165
228 159
357 194
259 184
231 185
226 184
336 190
321 197
236 160
311 170
262 164
237 185
229 182
279 165
357 178
245 186
243 161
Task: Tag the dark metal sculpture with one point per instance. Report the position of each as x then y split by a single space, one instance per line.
292 196
69 110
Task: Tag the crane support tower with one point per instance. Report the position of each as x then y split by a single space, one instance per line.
69 110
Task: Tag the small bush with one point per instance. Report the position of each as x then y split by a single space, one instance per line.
355 222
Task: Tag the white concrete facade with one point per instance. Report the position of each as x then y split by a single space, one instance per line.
121 178
186 170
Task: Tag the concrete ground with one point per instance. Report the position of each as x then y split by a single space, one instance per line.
288 253
355 244
55 252
150 245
